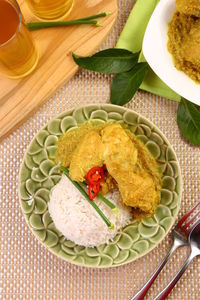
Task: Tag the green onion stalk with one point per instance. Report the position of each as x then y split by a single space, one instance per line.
106 201
87 20
85 195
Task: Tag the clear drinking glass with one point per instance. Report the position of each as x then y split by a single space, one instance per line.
50 9
18 54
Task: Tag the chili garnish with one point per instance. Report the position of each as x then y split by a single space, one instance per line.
94 176
93 190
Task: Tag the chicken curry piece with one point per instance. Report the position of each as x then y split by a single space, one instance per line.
138 187
88 153
184 38
129 165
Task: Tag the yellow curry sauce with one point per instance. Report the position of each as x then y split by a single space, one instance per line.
68 142
184 38
129 163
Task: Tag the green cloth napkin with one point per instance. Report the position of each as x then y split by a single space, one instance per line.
131 39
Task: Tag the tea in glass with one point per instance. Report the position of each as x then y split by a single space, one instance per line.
18 54
50 9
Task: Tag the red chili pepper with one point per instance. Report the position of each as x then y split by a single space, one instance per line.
95 175
93 190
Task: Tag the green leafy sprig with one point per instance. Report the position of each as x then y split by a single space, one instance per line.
188 119
129 74
125 85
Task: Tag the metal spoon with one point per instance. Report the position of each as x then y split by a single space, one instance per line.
194 241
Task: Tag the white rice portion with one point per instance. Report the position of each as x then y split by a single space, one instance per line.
78 221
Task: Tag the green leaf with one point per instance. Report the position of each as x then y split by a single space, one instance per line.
126 84
188 119
108 61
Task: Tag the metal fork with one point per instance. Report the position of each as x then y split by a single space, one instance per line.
179 234
194 241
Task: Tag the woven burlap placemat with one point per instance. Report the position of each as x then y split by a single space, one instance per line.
27 269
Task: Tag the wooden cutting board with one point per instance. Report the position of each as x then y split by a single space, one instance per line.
19 98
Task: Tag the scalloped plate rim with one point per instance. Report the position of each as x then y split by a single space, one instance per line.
101 106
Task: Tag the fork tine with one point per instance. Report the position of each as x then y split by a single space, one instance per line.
189 222
183 219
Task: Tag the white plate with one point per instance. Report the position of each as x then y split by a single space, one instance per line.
158 57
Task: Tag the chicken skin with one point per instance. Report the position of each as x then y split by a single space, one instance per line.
126 161
119 151
137 188
88 153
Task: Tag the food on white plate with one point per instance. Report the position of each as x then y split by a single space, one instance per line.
184 38
188 7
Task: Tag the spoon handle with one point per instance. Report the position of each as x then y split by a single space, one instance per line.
142 292
165 292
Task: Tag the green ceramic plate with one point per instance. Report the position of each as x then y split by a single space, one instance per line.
38 175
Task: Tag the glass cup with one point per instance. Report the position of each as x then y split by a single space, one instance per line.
18 54
50 9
